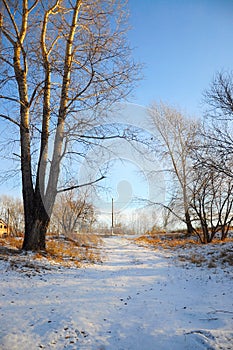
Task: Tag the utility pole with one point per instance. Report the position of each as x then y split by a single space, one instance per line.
112 216
8 222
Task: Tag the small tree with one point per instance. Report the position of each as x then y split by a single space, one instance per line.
73 212
212 202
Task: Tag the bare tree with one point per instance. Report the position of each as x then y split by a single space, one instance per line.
212 155
175 137
73 213
212 201
59 58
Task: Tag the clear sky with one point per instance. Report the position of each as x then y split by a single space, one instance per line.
182 44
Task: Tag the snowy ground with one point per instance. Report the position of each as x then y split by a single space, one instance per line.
136 299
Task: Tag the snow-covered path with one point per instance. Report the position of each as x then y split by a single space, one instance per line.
136 299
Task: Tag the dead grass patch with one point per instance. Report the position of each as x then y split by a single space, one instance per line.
227 257
65 252
166 243
216 253
12 242
197 259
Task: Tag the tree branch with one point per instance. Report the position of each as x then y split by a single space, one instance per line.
33 5
10 119
82 185
10 99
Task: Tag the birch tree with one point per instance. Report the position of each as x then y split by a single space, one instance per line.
175 136
59 58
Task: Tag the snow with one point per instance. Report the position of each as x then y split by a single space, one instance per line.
138 298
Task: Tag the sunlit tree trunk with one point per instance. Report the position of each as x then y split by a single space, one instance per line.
44 202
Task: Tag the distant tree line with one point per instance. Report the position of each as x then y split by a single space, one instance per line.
72 215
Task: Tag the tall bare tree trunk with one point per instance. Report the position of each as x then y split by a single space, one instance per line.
36 217
44 202
20 68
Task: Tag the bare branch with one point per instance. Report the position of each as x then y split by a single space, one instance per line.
6 61
33 95
10 119
12 20
82 185
33 6
10 99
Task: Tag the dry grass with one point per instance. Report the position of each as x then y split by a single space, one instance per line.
197 259
166 243
227 257
11 242
216 253
65 252
85 240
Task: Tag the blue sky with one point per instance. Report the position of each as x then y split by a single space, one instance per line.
182 44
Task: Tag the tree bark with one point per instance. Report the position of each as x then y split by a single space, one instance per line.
35 235
188 221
